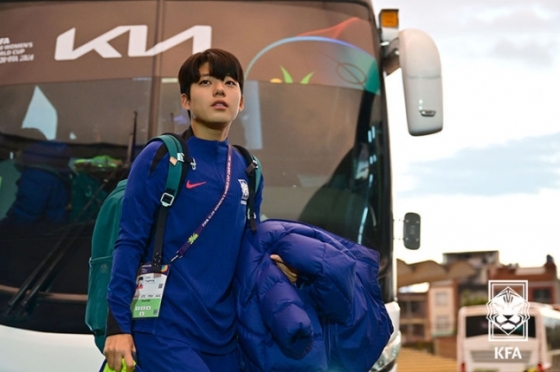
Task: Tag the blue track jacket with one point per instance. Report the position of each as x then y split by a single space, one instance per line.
332 319
198 306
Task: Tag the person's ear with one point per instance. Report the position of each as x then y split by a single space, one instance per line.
242 103
185 102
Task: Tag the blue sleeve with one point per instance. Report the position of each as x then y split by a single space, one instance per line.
140 202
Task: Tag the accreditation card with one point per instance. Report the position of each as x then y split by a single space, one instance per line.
146 302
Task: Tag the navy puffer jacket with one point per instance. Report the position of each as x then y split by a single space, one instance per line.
332 319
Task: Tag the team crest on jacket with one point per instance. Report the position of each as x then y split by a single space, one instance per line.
244 191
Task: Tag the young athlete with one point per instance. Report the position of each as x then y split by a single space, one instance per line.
194 329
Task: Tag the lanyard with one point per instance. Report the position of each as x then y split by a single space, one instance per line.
190 241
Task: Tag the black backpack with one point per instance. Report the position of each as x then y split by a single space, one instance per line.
106 228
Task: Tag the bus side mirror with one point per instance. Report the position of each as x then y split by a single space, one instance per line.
421 73
411 233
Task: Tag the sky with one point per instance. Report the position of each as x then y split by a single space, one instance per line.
491 179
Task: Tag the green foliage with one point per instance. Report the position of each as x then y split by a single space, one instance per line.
289 80
467 299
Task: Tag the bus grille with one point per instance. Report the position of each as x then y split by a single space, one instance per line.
488 356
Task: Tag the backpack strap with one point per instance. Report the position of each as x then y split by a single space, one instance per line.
178 154
254 173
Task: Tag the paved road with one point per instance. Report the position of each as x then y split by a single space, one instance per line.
410 360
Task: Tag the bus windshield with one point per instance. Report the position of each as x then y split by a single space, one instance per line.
478 325
316 170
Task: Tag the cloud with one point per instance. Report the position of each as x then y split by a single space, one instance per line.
523 166
523 227
534 54
513 32
491 179
478 16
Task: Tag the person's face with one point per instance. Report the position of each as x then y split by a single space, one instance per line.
213 102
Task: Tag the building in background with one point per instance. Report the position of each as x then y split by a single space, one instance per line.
430 294
414 321
543 282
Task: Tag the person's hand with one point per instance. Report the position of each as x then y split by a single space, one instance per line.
290 272
117 348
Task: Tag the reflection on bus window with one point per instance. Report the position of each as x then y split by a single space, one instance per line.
41 114
478 326
44 184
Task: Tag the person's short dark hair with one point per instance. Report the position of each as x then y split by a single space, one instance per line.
221 63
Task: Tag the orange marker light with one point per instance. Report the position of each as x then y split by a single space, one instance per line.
389 18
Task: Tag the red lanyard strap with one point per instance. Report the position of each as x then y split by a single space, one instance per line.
190 241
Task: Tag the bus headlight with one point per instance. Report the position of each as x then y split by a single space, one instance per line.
389 353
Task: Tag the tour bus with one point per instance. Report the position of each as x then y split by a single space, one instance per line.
85 84
534 346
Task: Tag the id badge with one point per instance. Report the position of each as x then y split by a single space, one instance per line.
146 302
